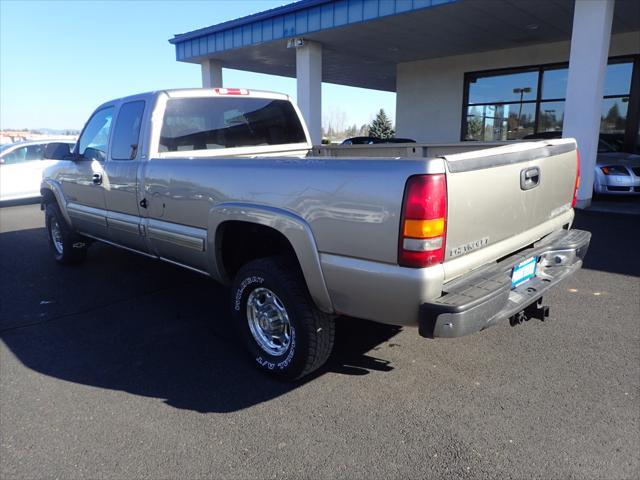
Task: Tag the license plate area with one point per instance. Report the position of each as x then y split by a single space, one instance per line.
524 271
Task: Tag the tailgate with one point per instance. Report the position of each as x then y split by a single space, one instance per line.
503 199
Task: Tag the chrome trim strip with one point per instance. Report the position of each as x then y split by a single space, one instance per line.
172 262
91 214
178 264
124 222
180 235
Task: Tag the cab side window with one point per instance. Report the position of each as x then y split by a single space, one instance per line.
95 137
126 132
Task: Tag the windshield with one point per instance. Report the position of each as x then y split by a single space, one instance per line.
227 122
610 142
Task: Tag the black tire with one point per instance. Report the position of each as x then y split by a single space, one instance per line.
311 331
71 248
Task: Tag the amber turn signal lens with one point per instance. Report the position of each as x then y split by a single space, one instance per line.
424 228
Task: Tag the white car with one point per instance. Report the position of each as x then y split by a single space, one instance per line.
21 167
617 173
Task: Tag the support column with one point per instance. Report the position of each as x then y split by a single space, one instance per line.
309 76
587 67
211 73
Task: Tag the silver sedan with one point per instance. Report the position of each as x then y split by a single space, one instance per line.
617 173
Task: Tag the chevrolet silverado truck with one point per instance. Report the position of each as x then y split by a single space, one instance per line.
222 182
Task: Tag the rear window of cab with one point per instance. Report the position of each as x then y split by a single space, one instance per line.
228 122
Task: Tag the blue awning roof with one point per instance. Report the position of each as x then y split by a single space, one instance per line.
296 19
363 41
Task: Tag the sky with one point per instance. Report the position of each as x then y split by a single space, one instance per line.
61 59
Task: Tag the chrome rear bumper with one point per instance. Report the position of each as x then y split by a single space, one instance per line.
484 297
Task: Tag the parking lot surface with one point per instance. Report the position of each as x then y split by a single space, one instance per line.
126 367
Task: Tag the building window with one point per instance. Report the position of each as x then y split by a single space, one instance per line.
516 103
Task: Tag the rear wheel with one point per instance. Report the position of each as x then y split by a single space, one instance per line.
67 247
280 326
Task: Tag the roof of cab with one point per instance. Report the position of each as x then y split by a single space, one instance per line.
223 92
197 92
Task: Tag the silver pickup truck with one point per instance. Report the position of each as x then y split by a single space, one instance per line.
222 182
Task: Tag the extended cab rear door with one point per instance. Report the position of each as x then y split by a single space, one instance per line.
121 176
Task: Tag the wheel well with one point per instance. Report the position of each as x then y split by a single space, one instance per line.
47 195
241 242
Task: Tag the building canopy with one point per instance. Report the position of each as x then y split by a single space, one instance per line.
364 40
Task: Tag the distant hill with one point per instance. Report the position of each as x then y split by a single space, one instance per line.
41 131
13 136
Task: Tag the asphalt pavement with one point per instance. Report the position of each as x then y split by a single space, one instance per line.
126 367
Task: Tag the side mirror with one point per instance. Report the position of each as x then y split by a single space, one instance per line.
57 151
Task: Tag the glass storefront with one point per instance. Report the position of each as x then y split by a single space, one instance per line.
516 103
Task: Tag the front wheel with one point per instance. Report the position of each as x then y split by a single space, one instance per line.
67 247
284 332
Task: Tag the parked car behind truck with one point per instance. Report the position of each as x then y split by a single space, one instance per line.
219 181
616 172
21 167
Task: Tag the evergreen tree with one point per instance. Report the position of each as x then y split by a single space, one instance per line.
381 126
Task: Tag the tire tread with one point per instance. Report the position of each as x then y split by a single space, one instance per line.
314 320
71 255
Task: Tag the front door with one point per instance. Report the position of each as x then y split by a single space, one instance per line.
121 174
83 183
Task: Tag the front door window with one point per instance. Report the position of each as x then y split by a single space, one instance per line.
93 142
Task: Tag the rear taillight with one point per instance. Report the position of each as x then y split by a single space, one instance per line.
423 225
577 184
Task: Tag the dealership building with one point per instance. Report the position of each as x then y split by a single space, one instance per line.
462 70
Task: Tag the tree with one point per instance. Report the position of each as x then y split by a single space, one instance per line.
335 122
474 129
613 121
381 126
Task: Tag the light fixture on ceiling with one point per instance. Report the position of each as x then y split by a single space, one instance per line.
295 42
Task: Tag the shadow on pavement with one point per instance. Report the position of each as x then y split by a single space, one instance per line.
625 204
124 322
614 242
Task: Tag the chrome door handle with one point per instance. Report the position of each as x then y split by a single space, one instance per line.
97 178
529 178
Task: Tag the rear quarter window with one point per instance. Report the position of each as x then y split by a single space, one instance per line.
127 131
228 122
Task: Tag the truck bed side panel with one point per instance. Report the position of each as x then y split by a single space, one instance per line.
352 206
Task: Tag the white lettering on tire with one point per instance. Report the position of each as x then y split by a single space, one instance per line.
245 283
284 363
292 351
265 363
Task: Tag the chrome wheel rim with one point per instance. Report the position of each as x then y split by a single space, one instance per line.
268 321
56 236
